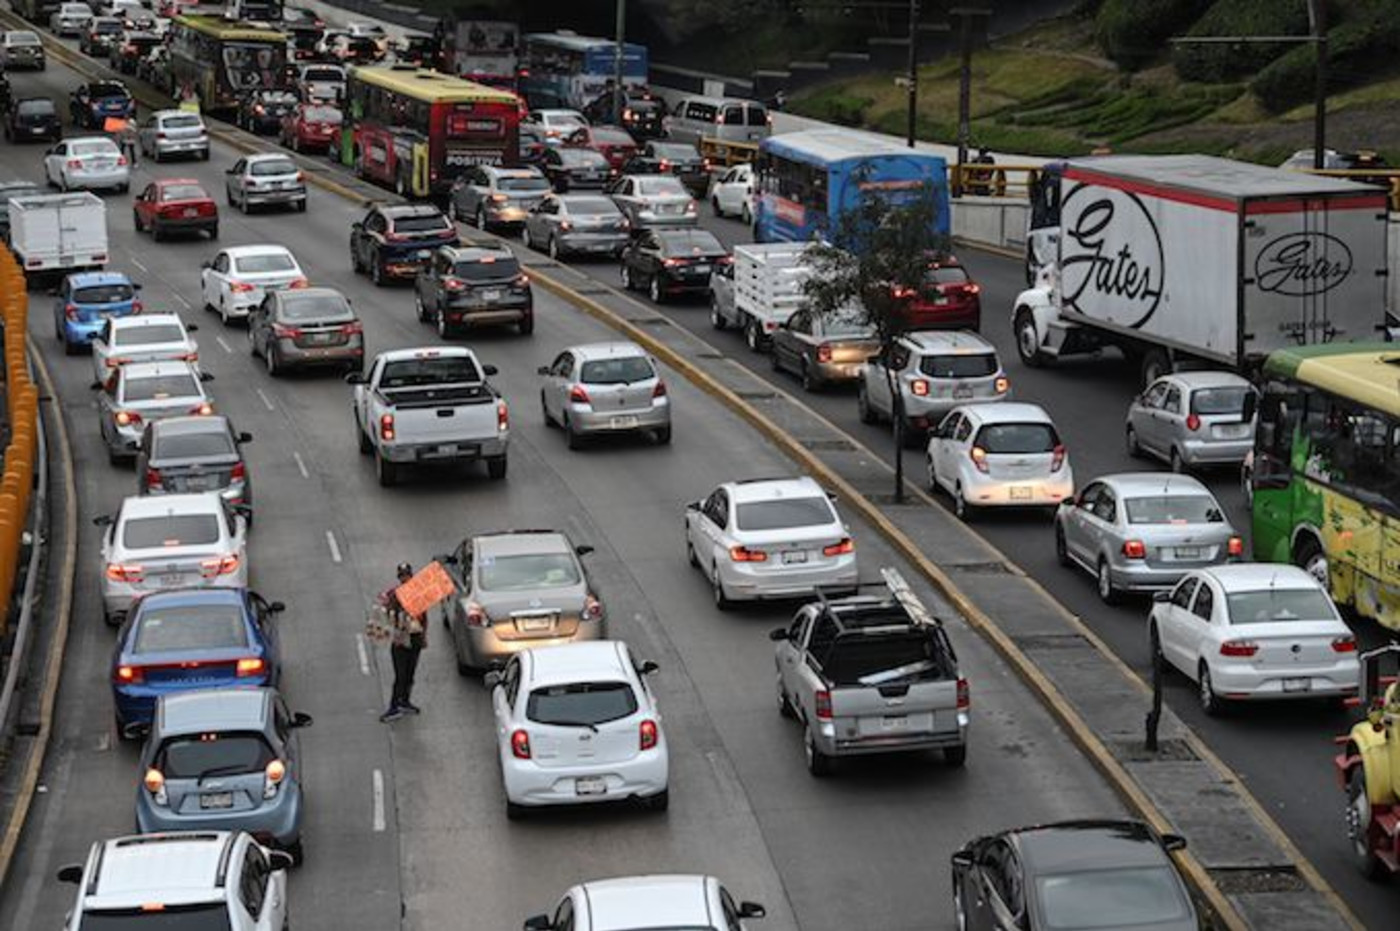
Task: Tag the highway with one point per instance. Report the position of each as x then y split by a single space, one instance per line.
406 822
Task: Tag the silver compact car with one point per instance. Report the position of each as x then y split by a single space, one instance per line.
1192 419
999 455
603 388
698 902
519 589
174 132
88 163
824 349
269 179
769 538
654 200
141 392
1142 531
490 196
933 371
304 328
576 224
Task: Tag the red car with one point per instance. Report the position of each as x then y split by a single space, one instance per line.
310 127
613 142
175 205
948 300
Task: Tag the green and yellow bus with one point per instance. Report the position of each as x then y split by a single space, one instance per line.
1325 479
221 60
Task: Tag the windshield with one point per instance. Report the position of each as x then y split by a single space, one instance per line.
1271 606
945 274
1174 509
108 26
228 754
848 323
33 107
104 294
673 150
611 136
208 916
971 365
268 262
617 371
1110 898
591 206
430 223
191 627
181 121
524 184
144 533
580 157
146 335
192 445
417 373
1018 438
314 307
681 242
160 387
183 192
22 38
581 703
527 571
333 75
785 514
661 186
489 269
272 166
1220 400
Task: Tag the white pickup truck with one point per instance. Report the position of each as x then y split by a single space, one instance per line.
57 233
871 675
766 289
430 406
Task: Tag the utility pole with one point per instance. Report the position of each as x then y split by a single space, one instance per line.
964 86
912 75
619 94
1317 18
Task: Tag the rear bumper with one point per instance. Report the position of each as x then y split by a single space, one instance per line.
1216 452
742 582
288 196
838 371
964 316
277 821
1242 681
586 420
182 147
1009 493
118 596
100 179
645 775
593 243
289 353
186 224
483 646
447 451
78 332
829 743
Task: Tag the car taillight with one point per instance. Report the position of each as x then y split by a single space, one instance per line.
299 283
823 704
964 695
520 745
823 353
128 419
386 426
846 546
1057 458
521 280
671 263
476 615
129 675
1235 547
648 734
660 390
121 159
137 307
1239 648
978 455
352 329
665 165
153 478
592 609
70 311
972 289
251 666
119 573
260 109
202 410
454 284
301 176
578 395
499 198
1002 384
224 565
1344 645
75 163
239 472
919 387
502 417
1134 549
1193 423
187 357
154 781
281 331
240 287
705 163
690 207
275 772
744 554
901 293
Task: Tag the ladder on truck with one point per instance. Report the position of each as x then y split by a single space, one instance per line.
908 600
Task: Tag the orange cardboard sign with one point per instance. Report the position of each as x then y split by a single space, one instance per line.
430 585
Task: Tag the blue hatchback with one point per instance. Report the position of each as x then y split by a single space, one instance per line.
189 639
85 301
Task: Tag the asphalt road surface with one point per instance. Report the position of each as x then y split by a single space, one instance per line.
868 849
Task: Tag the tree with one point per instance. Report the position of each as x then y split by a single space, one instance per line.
877 257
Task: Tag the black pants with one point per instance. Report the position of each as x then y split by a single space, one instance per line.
405 665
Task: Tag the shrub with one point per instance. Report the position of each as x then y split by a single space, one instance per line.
1370 35
1133 32
1217 64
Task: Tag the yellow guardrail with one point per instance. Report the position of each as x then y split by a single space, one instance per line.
993 180
1389 178
22 400
725 154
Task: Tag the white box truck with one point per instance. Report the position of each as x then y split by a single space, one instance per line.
768 279
58 233
1190 259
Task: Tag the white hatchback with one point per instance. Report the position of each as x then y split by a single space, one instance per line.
1254 631
640 903
999 455
238 278
577 724
731 194
142 338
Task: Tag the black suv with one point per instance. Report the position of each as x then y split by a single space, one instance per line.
31 118
396 240
671 158
474 286
641 113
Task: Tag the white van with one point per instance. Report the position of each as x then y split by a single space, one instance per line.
729 119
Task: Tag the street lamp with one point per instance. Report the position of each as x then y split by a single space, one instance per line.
619 95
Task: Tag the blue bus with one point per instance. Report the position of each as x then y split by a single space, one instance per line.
806 179
562 69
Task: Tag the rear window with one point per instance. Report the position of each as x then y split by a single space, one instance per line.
104 294
946 274
488 269
203 917
272 166
418 373
109 26
181 121
267 262
227 754
322 74
581 703
971 365
1114 898
160 387
674 150
617 371
191 627
321 115
701 111
1280 605
1174 509
434 222
592 206
192 445
524 184
1219 400
93 147
526 571
314 307
36 107
667 185
848 323
885 660
22 38
575 157
689 241
612 137
785 514
1018 438
183 192
144 533
148 335
757 116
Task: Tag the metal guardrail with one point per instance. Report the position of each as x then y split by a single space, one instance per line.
23 626
982 180
22 398
725 154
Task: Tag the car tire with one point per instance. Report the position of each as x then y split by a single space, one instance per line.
1155 364
626 272
1103 580
965 511
297 852
526 326
714 204
722 601
387 472
1177 464
157 234
573 439
663 436
376 271
1061 547
419 310
753 335
1130 439
863 408
810 382
659 802
480 221
955 757
549 420
554 248
746 215
1206 695
716 318
496 468
784 706
1358 815
274 365
690 556
444 329
959 905
515 812
525 236
214 232
654 291
818 763
931 473
1027 340
1312 559
301 205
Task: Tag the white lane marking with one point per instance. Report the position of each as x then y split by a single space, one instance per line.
137 263
378 801
335 547
301 465
364 654
182 300
267 402
223 345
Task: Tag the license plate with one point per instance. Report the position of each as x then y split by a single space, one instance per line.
446 449
191 212
319 338
1020 492
1297 685
167 579
1188 552
423 254
493 294
793 557
962 391
202 482
216 800
895 723
622 423
535 624
701 269
590 785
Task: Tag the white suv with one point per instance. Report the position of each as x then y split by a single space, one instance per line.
221 881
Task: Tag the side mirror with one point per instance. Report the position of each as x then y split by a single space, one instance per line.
137 287
191 328
357 225
493 679
963 859
1071 501
280 860
648 668
206 264
95 386
245 437
779 634
104 520
489 369
277 607
692 505
72 873
356 378
1161 597
301 719
206 376
752 910
583 549
542 370
1173 842
538 923
228 171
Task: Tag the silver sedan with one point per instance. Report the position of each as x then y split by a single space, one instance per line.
603 388
654 200
490 196
141 392
1192 419
1142 531
583 224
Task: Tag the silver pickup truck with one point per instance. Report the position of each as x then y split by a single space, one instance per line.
430 406
871 675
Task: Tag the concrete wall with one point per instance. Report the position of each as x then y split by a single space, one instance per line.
1392 281
991 221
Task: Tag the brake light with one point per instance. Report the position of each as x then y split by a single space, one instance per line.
128 419
671 263
660 390
1134 549
520 745
70 311
979 459
964 695
240 287
823 353
154 781
127 675
845 547
301 176
286 332
454 284
75 163
476 615
1235 547
903 292
502 417
690 207
153 479
300 283
1002 384
187 357
577 395
251 666
137 307
649 735
744 554
239 472
202 410
353 329
823 703
386 426
121 159
920 387
1193 423
705 163
499 198
259 109
225 565
1057 458
1344 645
972 288
1239 648
276 771
665 165
592 609
119 573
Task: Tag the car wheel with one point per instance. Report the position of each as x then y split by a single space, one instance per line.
444 329
1061 547
654 291
274 366
366 447
747 215
867 414
301 205
753 336
1155 364
716 318
1027 340
573 439
214 232
1205 692
419 310
626 272
1311 558
714 203
1178 465
496 467
515 812
549 420
663 436
387 472
690 556
818 763
721 598
376 271
810 381
1358 815
964 510
660 801
554 248
297 852
932 474
959 907
525 237
1103 575
157 234
784 706
526 326
481 218
955 757
1131 440
252 342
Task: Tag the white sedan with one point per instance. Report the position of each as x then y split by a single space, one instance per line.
87 163
235 280
999 455
1255 631
577 724
637 903
731 194
142 338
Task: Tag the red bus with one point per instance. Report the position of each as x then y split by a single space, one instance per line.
416 130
